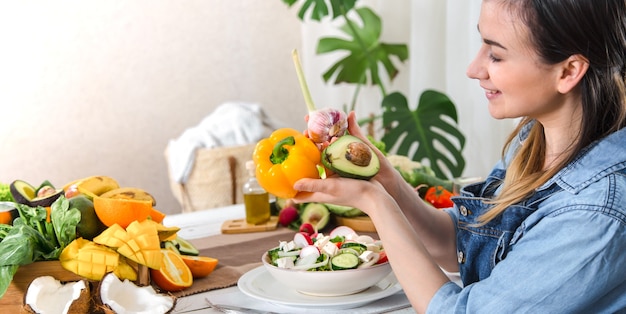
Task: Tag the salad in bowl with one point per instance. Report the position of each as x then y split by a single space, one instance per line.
340 263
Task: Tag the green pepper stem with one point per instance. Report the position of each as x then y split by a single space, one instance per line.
303 85
280 153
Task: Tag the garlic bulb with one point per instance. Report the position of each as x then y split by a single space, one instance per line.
325 124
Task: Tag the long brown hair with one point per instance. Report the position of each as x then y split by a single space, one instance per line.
595 29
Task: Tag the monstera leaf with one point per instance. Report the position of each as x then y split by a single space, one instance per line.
429 127
364 51
319 9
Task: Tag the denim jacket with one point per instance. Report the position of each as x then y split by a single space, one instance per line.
562 250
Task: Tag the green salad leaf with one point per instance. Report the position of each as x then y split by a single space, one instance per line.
5 193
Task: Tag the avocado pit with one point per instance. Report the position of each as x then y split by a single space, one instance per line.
359 154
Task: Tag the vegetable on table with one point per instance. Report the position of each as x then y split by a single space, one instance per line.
283 158
32 238
5 193
439 197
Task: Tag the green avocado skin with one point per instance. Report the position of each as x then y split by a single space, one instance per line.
329 156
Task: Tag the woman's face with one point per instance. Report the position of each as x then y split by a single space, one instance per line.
515 81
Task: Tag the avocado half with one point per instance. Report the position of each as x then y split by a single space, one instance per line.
350 157
26 194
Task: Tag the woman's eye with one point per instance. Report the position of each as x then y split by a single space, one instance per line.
493 58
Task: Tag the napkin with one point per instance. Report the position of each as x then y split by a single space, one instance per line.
231 124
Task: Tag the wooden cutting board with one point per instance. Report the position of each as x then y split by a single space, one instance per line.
241 226
359 223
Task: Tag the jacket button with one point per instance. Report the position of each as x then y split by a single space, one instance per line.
460 257
463 210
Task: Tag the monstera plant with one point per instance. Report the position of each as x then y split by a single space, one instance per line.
430 132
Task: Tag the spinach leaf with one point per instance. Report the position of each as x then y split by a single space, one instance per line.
23 245
6 276
32 216
64 220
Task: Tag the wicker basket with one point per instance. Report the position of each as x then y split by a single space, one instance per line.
216 178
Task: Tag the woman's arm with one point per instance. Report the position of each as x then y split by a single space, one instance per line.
434 227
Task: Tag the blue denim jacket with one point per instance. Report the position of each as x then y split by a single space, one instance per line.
563 250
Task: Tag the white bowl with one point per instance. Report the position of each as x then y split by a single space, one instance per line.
328 283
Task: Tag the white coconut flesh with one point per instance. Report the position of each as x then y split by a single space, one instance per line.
46 295
126 297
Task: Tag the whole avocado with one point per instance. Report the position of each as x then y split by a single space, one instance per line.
90 225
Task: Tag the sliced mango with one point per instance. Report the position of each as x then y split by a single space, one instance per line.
88 259
113 236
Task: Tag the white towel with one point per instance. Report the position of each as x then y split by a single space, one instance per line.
231 124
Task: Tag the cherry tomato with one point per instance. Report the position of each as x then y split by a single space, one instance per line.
382 258
439 197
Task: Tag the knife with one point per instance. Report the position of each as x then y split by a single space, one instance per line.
231 309
239 310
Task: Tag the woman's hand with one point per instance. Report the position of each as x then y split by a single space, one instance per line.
387 175
341 191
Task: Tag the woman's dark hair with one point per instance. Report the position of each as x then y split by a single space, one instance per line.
558 29
595 29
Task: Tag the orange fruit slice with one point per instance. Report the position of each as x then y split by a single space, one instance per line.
156 215
174 274
121 211
200 266
7 217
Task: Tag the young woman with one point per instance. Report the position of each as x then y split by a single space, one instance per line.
546 231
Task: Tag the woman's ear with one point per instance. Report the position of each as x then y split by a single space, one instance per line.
573 70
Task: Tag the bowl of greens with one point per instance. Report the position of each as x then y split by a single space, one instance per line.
340 263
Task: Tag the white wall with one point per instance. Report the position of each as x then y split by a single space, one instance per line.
100 87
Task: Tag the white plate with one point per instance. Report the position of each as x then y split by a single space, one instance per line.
260 284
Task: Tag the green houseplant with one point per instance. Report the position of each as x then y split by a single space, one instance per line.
428 133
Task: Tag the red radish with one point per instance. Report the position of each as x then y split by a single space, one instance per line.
342 231
302 239
287 215
308 229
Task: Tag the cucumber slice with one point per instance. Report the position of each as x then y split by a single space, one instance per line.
170 245
359 247
185 247
344 261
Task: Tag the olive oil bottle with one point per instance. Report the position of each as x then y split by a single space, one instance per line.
255 198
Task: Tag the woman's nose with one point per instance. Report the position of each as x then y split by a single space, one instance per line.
476 68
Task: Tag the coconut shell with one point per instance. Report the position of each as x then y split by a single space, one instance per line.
81 305
101 307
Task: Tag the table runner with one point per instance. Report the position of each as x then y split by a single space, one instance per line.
236 254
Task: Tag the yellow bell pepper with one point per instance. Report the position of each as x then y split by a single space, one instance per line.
283 158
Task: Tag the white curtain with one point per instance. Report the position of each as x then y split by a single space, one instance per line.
442 39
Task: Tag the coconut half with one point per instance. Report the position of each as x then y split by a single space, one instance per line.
126 297
46 294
